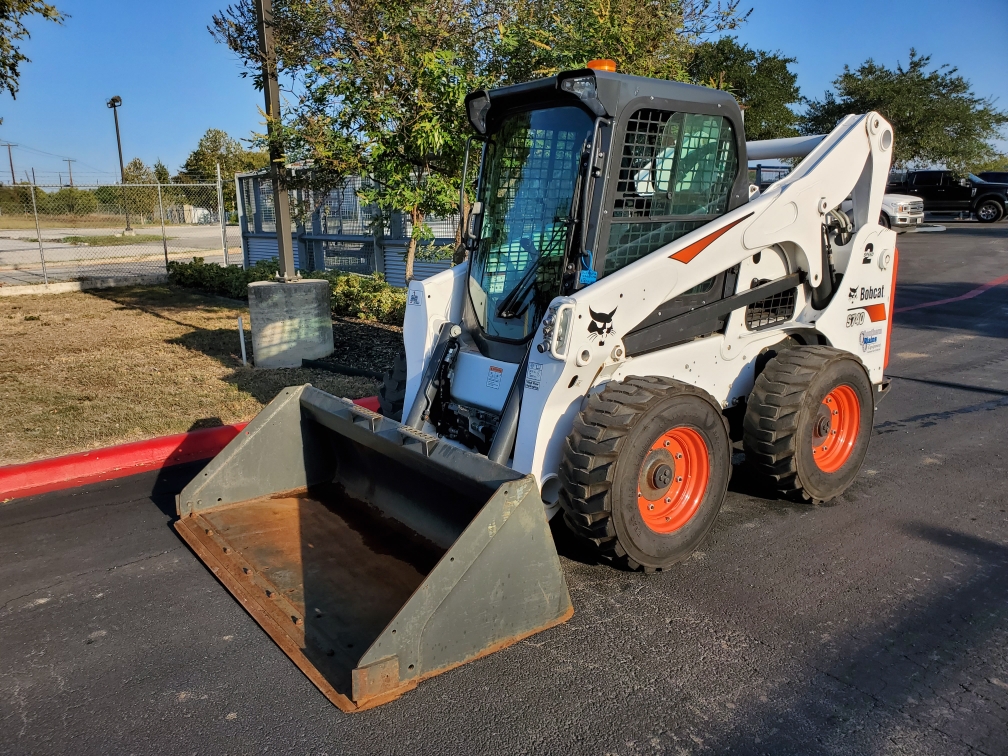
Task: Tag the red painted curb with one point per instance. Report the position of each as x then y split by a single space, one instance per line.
56 473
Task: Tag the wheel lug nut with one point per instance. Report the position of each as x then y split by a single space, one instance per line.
668 500
650 506
667 443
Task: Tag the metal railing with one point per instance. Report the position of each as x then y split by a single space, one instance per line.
65 233
334 230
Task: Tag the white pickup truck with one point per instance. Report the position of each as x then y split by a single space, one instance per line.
901 211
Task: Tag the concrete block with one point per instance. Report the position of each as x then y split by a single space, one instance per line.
290 322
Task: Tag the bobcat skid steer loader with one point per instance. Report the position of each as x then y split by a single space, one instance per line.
629 306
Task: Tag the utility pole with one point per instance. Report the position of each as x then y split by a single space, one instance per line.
10 157
115 103
271 90
70 168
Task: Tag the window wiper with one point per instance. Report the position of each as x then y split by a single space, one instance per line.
517 294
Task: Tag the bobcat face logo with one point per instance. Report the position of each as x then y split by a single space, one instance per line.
601 325
853 293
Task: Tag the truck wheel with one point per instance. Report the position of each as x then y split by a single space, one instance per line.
645 470
392 392
989 211
808 422
884 221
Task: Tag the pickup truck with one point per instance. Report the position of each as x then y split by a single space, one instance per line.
943 191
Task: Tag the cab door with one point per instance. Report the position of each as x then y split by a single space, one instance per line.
958 192
928 186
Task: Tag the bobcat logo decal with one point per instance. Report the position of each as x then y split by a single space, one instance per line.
853 293
601 325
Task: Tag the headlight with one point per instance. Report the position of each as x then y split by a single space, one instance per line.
556 328
563 331
902 209
582 86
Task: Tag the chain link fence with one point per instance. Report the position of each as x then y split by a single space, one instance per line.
70 233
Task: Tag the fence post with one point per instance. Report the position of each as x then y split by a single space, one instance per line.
38 235
164 239
220 214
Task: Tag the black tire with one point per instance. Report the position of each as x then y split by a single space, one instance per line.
989 211
884 221
787 415
392 392
604 459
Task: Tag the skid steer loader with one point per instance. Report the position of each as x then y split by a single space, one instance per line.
629 307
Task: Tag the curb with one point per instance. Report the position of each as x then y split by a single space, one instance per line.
72 470
66 287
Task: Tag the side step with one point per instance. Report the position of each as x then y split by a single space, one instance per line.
374 555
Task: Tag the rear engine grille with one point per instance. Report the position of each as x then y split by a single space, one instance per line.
769 312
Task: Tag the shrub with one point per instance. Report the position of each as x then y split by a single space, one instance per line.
365 297
231 281
352 295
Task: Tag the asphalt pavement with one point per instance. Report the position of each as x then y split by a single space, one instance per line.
876 624
21 262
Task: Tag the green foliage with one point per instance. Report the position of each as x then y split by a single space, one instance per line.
231 281
381 83
216 147
997 163
762 82
354 296
644 37
110 240
17 199
365 297
67 201
13 14
936 116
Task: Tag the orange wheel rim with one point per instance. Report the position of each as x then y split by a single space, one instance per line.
835 428
673 479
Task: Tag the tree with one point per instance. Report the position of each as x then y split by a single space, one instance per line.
381 93
142 200
761 81
936 116
216 147
13 14
644 37
379 85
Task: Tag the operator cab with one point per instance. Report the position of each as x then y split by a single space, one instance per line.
554 211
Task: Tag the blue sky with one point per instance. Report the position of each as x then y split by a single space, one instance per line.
176 82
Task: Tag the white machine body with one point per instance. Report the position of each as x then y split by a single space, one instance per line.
775 234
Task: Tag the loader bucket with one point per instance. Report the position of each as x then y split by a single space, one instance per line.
374 555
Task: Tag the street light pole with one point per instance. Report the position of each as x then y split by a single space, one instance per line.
114 103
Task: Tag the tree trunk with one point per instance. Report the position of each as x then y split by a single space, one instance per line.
460 251
417 218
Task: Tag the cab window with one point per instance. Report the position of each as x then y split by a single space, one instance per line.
927 178
675 175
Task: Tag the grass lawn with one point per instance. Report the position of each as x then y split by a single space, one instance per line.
115 240
84 370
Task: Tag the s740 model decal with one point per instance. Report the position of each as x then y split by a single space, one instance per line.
874 312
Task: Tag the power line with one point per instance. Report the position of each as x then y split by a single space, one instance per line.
64 157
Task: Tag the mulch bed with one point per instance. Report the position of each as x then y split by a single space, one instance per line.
364 344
